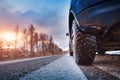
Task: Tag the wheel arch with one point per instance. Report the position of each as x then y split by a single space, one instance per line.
71 17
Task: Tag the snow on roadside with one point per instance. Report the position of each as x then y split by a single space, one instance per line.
62 69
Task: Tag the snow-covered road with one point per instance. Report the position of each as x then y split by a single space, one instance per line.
13 70
62 69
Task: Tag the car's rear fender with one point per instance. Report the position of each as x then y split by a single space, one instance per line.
104 15
84 29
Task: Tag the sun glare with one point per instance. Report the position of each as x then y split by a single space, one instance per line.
9 36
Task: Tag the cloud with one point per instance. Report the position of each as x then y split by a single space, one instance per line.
49 16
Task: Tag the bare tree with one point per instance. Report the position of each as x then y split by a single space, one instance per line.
60 51
56 49
36 39
31 31
43 39
1 44
25 39
1 51
16 30
51 45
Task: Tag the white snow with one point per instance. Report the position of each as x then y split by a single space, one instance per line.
62 69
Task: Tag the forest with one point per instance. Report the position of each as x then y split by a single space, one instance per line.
34 44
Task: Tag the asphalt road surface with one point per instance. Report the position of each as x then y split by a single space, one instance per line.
61 68
15 69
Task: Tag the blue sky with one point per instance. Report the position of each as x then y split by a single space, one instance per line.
50 16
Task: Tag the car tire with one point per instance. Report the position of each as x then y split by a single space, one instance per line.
101 52
71 53
85 47
70 50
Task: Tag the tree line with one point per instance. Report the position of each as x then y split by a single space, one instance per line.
35 43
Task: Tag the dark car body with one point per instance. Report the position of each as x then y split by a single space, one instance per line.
100 18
